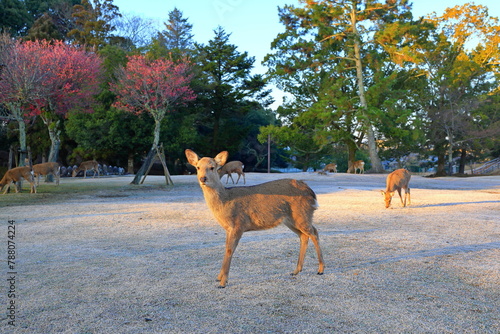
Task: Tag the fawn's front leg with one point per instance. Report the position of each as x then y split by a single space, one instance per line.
232 238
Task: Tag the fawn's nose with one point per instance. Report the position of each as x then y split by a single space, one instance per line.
203 179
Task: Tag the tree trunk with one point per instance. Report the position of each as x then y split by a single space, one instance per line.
370 135
450 161
148 163
156 135
145 166
463 160
269 153
22 143
351 149
52 123
54 152
130 168
18 116
55 144
307 160
12 154
441 164
450 153
153 152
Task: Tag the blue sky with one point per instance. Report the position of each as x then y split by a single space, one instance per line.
253 24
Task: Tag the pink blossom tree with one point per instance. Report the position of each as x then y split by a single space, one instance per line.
153 86
20 81
46 79
72 81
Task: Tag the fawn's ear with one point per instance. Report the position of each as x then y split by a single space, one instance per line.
192 157
221 158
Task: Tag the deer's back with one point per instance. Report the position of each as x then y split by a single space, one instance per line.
231 166
45 166
398 179
265 205
288 188
16 173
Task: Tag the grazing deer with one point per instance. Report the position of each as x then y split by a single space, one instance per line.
47 168
85 166
232 167
332 168
260 207
15 175
355 165
397 180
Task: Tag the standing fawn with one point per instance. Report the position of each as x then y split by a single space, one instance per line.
397 180
85 166
259 207
332 168
47 168
15 175
232 167
360 164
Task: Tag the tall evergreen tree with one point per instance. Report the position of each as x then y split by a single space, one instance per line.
175 40
94 23
14 17
177 34
53 19
228 93
18 17
44 28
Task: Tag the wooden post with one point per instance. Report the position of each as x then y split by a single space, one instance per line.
144 168
150 160
148 163
161 155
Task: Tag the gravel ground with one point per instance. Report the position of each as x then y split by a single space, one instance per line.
143 259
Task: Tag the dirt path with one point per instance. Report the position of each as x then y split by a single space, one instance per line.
115 258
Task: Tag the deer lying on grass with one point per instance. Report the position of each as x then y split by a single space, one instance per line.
397 180
85 166
232 167
15 175
260 207
47 168
332 168
355 165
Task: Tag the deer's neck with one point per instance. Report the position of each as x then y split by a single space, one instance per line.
215 197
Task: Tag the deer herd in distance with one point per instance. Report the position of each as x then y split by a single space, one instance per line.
17 174
396 181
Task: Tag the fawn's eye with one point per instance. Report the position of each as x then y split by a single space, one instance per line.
212 168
